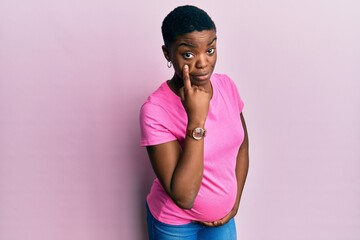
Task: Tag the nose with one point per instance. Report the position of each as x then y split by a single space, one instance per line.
201 62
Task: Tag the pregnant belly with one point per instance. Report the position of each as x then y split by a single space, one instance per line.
213 204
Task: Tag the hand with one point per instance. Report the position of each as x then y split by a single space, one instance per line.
221 221
195 100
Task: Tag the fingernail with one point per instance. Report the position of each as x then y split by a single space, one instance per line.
186 67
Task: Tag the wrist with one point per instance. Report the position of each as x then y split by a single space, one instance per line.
196 133
195 124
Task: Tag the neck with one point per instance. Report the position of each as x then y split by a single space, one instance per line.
175 83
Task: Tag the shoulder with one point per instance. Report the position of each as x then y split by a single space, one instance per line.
158 96
158 117
227 88
154 104
160 103
223 81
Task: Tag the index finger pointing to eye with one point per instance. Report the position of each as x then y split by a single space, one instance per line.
186 77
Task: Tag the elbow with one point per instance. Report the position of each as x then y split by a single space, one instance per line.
184 198
185 202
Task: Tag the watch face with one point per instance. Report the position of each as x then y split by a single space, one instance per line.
198 133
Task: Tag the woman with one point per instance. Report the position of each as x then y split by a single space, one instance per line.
195 135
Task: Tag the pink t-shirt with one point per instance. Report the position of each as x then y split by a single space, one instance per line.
163 119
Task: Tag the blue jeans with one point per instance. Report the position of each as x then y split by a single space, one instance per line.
191 231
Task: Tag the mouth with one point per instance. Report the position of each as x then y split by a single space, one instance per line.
201 77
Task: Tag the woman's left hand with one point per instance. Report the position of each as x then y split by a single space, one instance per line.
221 221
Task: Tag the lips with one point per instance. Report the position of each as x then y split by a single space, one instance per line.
201 77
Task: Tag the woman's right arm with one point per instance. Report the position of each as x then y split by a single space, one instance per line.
180 170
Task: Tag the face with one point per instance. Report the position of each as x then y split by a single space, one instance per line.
198 51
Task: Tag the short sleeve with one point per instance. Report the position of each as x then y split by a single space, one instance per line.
154 125
239 101
236 96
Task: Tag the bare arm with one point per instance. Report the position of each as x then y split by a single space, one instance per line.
179 170
242 165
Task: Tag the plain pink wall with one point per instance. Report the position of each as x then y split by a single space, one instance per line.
73 75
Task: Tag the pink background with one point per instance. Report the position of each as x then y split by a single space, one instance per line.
73 75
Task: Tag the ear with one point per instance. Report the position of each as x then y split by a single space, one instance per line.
166 53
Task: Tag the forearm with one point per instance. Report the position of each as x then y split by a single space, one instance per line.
188 173
187 176
242 167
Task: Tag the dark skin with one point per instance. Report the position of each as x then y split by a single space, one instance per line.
180 170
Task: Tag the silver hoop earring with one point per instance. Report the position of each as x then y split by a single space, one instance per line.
169 64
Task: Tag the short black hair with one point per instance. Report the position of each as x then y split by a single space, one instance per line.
185 19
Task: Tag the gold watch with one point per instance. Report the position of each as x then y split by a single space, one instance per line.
196 133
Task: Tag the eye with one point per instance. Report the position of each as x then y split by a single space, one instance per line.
211 51
188 55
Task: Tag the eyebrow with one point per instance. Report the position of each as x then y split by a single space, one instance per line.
215 38
192 45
